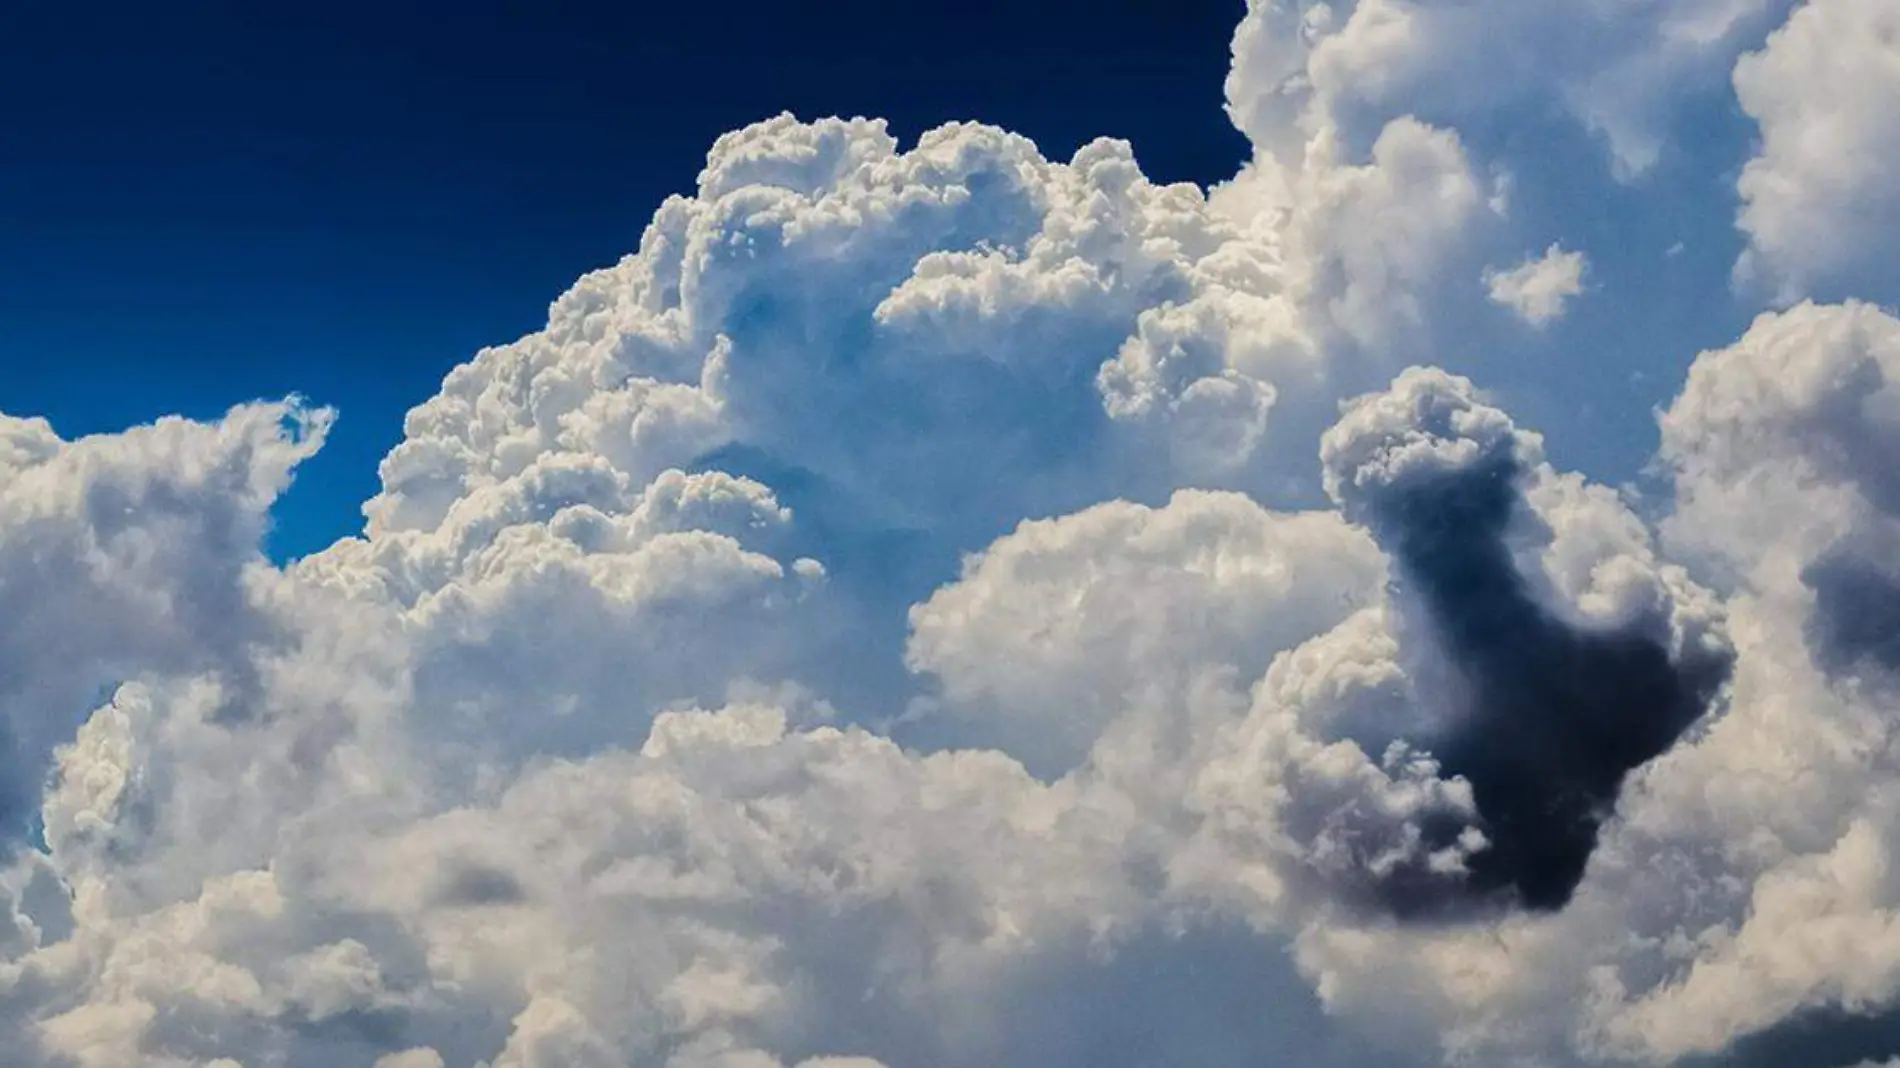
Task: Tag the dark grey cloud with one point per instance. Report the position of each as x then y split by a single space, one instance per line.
1552 716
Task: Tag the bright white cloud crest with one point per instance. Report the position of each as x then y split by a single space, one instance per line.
945 606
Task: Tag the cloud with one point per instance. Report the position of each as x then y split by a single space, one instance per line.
1779 442
1056 629
1823 188
635 590
1538 290
1780 481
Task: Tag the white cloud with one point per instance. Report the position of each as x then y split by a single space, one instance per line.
1822 192
1057 629
129 553
1538 290
653 720
1304 68
1780 476
361 865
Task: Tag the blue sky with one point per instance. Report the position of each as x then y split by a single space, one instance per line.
219 202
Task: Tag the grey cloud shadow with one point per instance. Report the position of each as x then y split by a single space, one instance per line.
1552 715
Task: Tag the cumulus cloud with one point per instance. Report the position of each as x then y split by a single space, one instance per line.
937 604
1779 483
1538 290
647 572
1822 191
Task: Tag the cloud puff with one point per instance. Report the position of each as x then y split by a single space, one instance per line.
1823 188
1538 290
1779 483
127 554
1057 629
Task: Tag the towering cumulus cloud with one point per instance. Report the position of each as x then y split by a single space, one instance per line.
935 604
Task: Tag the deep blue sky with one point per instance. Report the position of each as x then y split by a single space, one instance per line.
204 203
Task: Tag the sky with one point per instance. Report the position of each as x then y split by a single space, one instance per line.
1357 535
